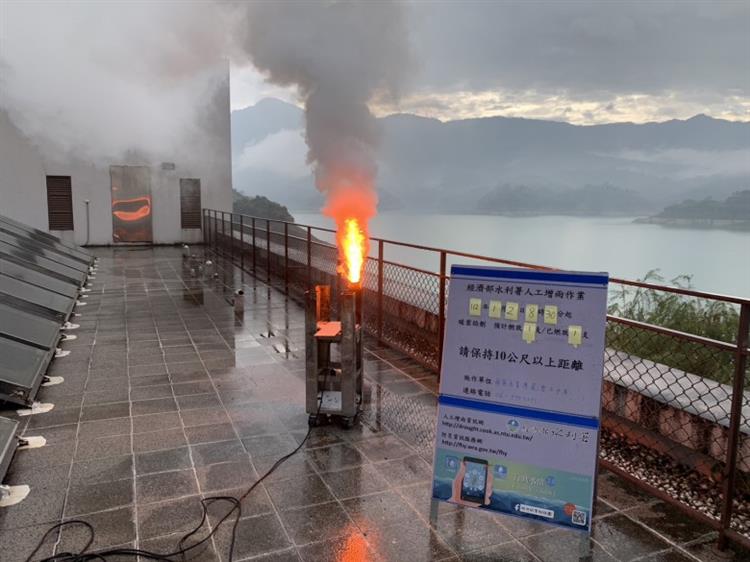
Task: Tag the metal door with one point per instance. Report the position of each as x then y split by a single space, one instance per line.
131 204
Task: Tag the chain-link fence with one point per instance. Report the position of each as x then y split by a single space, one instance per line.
675 403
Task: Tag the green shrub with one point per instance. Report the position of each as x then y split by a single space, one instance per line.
702 317
260 206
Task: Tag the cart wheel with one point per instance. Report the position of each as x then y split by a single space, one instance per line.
348 422
313 421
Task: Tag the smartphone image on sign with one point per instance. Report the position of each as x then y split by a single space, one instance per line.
474 484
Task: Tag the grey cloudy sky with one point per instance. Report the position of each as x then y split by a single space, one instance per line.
578 61
584 62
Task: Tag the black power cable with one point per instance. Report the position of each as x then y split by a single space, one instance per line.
103 555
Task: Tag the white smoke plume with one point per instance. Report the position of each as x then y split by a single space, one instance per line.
339 55
95 80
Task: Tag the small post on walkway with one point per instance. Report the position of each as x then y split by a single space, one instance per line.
268 251
203 227
252 225
210 228
242 243
211 233
231 234
223 231
213 230
286 258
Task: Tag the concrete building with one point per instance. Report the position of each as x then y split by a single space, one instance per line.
136 198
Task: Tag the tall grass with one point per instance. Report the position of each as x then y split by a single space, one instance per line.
702 317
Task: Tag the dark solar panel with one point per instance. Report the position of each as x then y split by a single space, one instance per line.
16 254
42 235
31 328
34 277
8 444
46 244
34 299
39 280
32 247
21 370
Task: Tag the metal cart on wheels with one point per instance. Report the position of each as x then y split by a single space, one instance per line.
333 358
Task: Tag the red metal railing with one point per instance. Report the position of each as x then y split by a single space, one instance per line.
679 396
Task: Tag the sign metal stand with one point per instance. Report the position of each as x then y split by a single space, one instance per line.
520 395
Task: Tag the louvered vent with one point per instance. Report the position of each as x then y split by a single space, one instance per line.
190 202
59 203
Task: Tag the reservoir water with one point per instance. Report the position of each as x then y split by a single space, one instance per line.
718 260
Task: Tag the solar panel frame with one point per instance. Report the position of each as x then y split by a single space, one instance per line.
46 244
35 299
21 370
41 234
38 278
29 246
29 328
57 269
8 444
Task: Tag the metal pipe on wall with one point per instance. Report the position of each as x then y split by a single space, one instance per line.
88 229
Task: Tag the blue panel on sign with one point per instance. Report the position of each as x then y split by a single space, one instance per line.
543 415
520 393
531 275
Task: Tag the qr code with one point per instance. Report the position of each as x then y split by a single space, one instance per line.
579 517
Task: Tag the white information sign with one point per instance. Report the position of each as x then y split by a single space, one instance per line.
520 392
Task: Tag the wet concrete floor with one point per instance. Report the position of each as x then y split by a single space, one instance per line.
170 398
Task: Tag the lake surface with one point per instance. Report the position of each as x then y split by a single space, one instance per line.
718 260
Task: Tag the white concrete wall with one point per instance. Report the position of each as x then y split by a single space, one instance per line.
22 184
23 171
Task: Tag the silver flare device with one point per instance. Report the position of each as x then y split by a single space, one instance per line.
333 357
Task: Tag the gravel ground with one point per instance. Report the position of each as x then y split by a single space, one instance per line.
677 480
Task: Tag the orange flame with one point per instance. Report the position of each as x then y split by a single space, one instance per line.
352 242
351 206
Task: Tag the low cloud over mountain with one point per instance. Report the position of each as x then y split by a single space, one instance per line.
474 165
